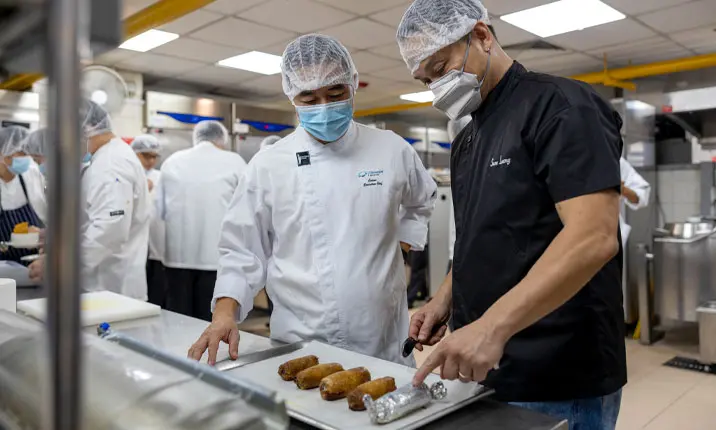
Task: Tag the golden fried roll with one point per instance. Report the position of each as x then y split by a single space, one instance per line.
288 370
311 377
375 389
338 385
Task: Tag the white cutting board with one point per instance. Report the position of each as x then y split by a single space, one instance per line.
97 307
335 414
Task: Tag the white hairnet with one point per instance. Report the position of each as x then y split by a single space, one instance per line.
12 139
95 119
145 143
430 25
36 143
269 141
455 127
315 61
211 131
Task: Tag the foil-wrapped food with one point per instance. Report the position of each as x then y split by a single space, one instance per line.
403 401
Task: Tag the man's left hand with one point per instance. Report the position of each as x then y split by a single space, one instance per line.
467 354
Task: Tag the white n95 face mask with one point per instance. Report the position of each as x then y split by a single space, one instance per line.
458 93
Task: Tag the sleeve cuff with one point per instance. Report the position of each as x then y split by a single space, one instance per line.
643 196
239 292
414 233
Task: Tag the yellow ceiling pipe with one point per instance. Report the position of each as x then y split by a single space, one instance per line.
614 78
156 15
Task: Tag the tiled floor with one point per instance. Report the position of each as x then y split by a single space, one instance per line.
656 397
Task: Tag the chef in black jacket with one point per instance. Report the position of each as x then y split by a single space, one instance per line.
535 290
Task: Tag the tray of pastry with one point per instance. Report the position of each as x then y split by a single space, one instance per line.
323 386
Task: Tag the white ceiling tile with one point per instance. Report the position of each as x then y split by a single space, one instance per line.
302 16
682 17
400 74
613 33
390 17
390 50
635 7
191 22
230 7
503 7
241 34
365 7
366 62
215 76
130 7
522 55
508 34
568 63
638 52
197 50
702 40
160 65
362 34
646 57
115 56
266 84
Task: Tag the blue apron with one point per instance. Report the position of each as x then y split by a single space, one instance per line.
8 221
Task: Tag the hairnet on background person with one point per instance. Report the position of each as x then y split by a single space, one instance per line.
146 143
315 61
36 142
12 140
455 127
430 25
269 141
211 131
95 119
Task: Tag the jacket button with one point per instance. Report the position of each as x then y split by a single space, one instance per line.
469 139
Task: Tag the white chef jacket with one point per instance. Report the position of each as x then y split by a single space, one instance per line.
115 225
320 226
194 192
632 179
12 197
156 224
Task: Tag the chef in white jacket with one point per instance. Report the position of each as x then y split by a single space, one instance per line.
316 220
195 188
635 195
115 225
147 148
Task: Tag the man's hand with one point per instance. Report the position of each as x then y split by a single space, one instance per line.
37 269
150 184
468 354
223 328
423 321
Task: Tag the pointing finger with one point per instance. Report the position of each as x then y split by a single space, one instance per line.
434 361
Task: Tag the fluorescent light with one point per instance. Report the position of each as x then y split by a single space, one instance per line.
254 61
99 96
421 97
563 16
148 40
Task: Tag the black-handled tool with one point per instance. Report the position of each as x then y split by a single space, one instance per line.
409 344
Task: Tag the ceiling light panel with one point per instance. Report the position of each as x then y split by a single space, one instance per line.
254 61
421 97
148 40
563 16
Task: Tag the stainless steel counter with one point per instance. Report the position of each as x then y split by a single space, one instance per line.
175 333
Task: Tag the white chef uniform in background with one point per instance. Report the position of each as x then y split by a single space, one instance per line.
195 189
319 224
633 180
115 226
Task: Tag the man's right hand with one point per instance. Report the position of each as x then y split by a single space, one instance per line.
423 321
223 328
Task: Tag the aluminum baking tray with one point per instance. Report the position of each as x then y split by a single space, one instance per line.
307 406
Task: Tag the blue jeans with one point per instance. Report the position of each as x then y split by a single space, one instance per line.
597 413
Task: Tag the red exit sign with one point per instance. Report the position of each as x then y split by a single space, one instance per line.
667 108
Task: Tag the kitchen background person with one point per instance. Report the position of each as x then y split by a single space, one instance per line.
535 287
635 193
316 220
193 194
115 225
147 148
35 145
22 190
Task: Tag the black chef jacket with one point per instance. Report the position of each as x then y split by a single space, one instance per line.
537 140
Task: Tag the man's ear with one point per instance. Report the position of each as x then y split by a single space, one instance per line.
482 35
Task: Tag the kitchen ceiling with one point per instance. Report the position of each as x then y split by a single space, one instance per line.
654 30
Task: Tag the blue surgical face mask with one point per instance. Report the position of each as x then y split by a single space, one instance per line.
327 122
43 169
20 165
87 157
